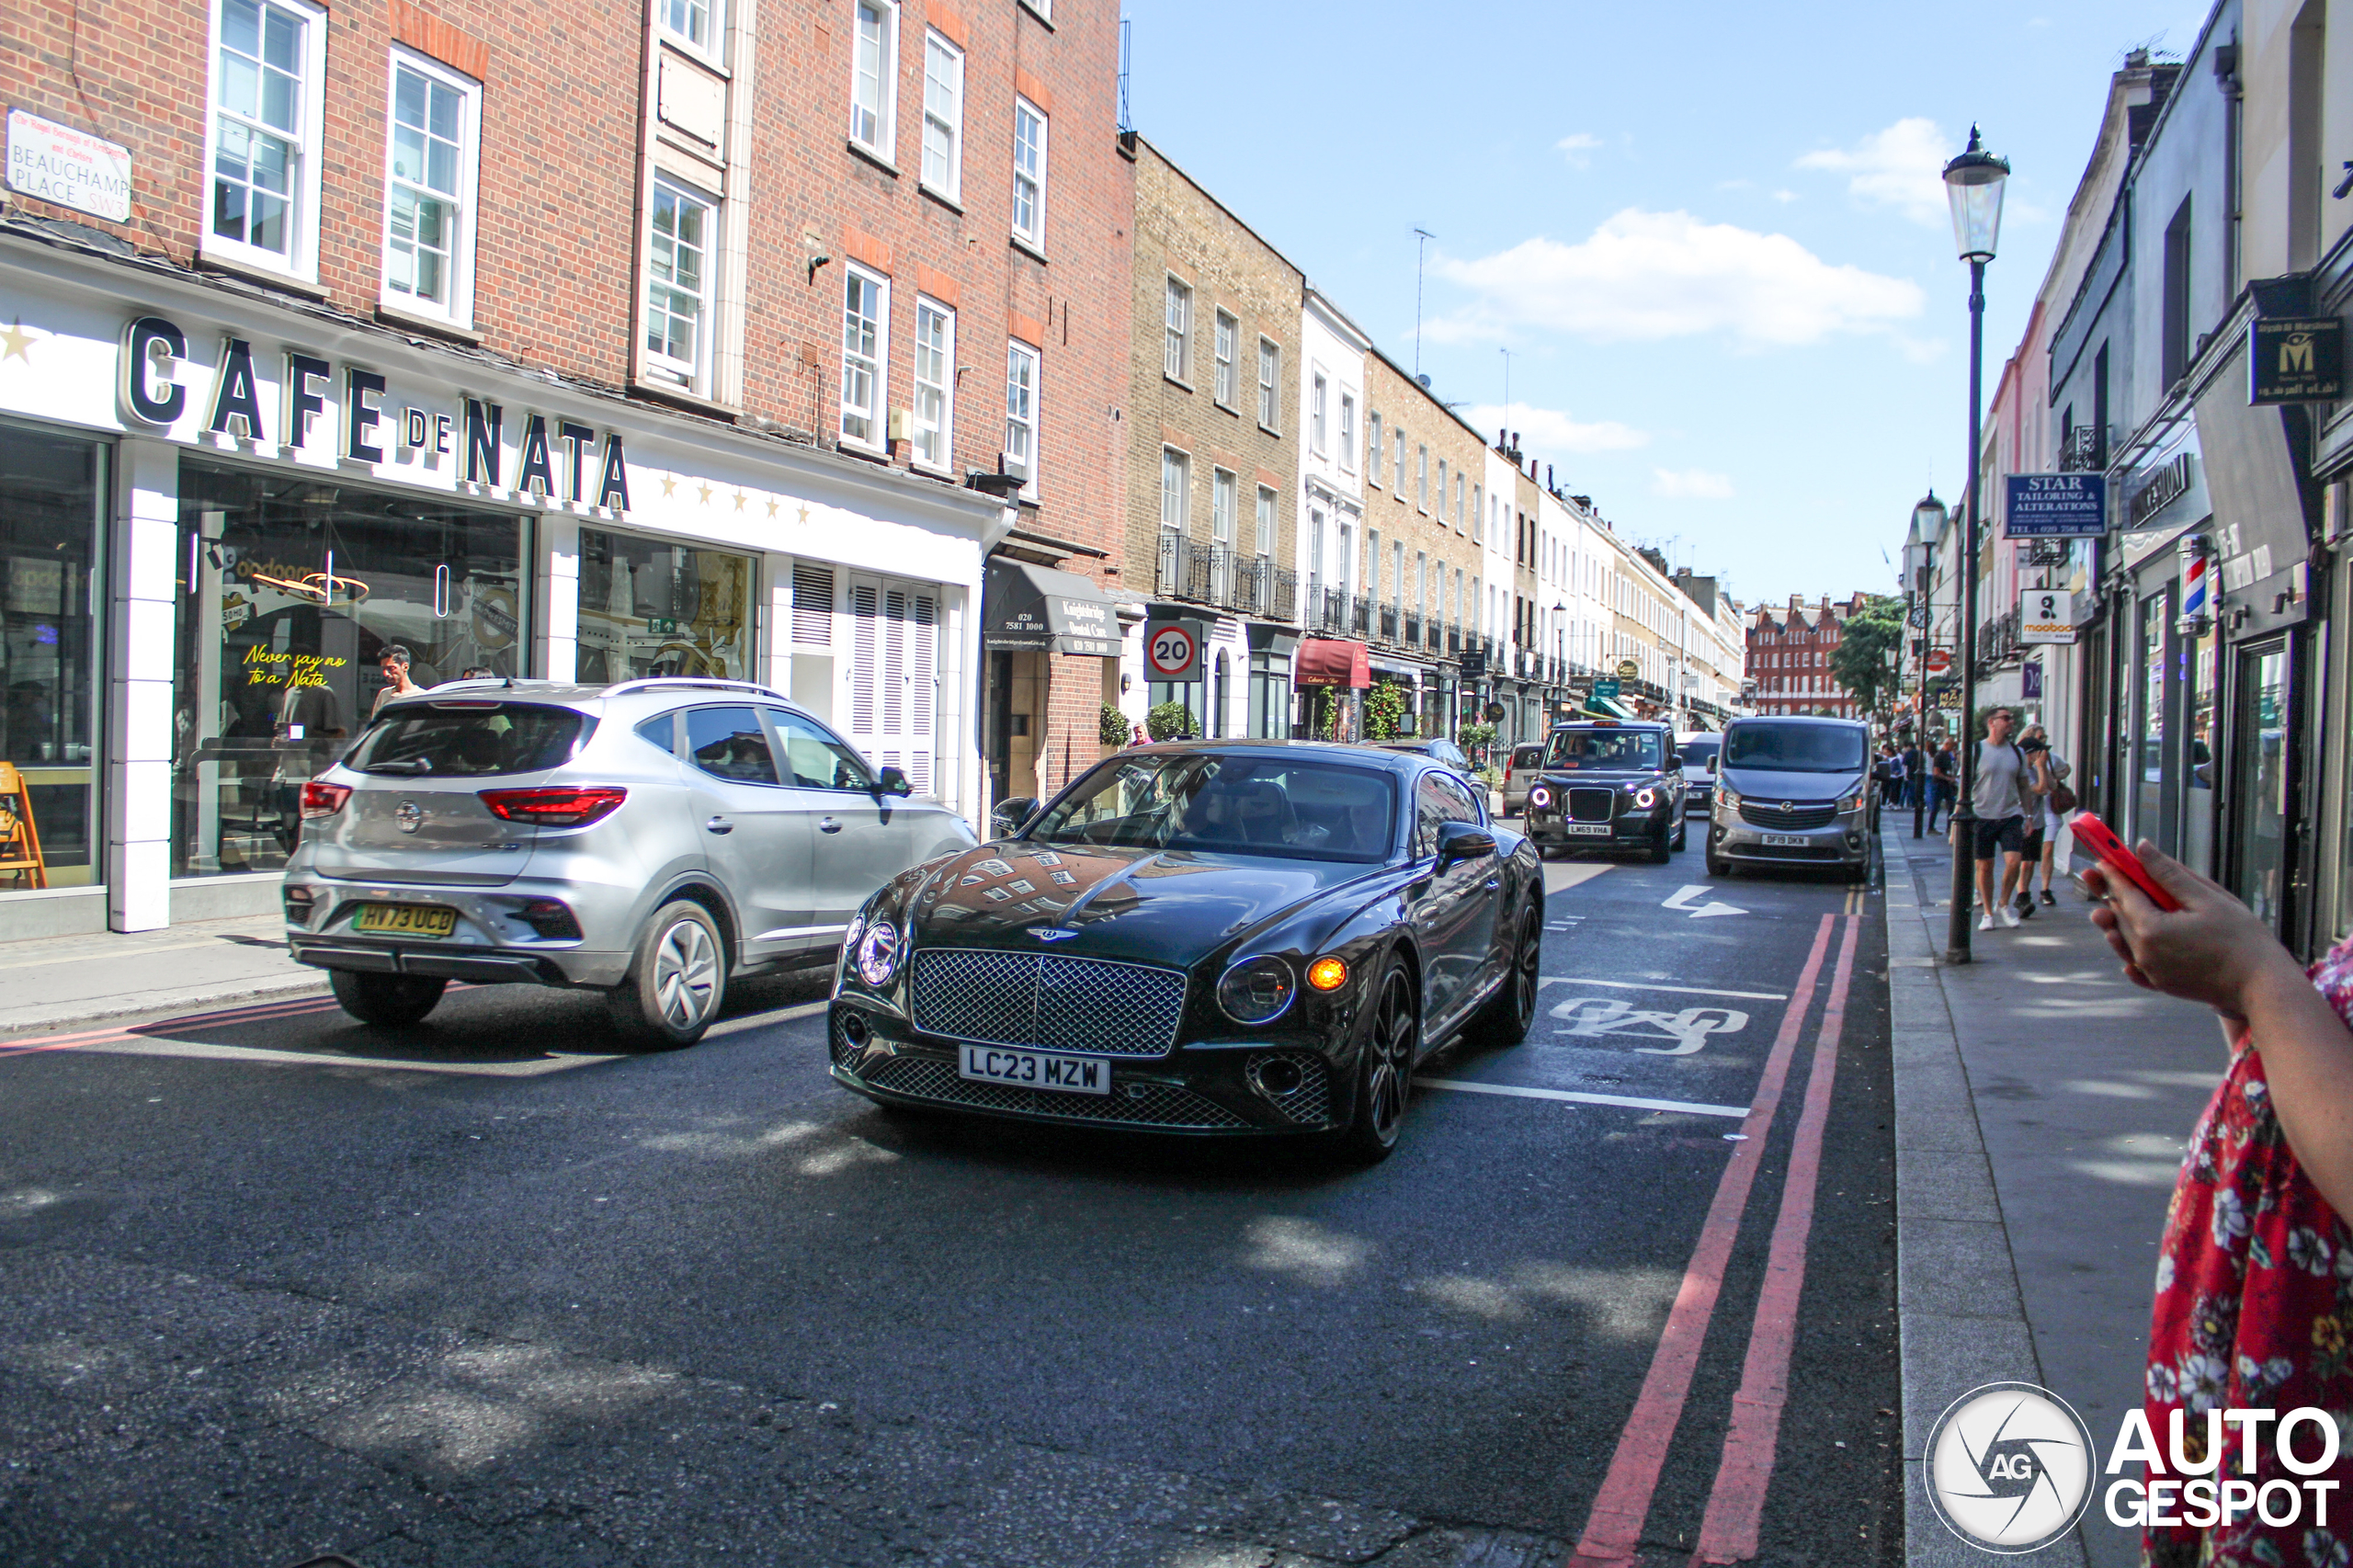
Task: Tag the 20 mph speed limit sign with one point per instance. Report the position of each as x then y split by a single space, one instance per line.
1171 651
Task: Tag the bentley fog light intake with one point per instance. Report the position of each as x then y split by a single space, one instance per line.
1255 991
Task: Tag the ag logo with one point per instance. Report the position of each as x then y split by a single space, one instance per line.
2010 1467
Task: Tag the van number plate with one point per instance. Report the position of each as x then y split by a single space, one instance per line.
1786 841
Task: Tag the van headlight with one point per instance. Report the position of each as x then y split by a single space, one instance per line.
1854 801
1727 796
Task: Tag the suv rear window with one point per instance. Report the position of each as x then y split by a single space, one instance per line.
470 740
1700 754
1527 756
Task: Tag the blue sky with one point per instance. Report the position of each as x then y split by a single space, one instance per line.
1710 235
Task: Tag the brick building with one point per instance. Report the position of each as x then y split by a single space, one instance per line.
663 344
1789 656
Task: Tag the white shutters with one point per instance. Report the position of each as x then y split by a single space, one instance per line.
895 675
812 606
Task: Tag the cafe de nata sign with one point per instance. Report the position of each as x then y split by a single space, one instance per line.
303 405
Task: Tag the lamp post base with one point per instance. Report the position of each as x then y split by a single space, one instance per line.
1964 858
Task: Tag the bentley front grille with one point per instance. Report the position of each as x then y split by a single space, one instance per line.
1592 805
1048 1003
1135 1105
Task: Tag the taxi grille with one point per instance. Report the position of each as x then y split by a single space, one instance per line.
1592 805
1803 814
1135 1105
1052 1004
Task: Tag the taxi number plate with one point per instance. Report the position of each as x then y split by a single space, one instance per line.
1787 841
406 919
1035 1070
1598 829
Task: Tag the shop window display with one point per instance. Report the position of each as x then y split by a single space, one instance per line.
649 609
50 489
290 592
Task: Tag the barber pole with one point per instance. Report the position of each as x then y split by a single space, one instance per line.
2197 585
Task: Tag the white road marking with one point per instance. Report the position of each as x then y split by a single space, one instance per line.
1679 990
1578 1097
1596 1016
1560 876
1682 903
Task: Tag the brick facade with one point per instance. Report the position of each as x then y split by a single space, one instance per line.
1789 656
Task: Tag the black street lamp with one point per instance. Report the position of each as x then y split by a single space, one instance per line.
1974 185
1928 528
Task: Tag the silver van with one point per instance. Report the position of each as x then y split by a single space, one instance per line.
649 840
1793 791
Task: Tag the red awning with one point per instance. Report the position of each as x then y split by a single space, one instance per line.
1329 661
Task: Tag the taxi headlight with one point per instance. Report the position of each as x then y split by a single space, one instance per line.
1257 991
878 954
1539 798
1645 798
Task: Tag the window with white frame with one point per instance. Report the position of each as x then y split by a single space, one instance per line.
1270 375
264 134
1478 513
866 324
874 51
1224 497
1029 172
1398 440
429 174
1175 489
695 22
1228 330
935 376
1457 498
1422 478
1021 415
943 115
1441 490
1347 433
1373 453
682 244
1267 522
1318 418
1176 356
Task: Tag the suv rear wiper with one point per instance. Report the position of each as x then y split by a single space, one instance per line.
400 764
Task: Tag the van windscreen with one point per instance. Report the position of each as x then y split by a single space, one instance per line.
1793 748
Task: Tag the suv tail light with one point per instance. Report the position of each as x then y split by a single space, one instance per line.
556 805
323 799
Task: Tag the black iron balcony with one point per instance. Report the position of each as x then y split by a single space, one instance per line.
1413 618
1389 623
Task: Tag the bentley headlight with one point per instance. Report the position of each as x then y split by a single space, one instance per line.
1257 991
878 954
857 925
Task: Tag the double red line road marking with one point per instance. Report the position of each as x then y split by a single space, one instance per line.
1728 1531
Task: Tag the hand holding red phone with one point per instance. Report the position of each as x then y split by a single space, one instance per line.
2175 931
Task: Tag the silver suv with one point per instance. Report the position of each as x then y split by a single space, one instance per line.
650 839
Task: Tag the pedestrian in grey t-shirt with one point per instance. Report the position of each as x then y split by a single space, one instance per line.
1997 794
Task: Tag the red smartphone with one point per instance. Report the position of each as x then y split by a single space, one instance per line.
2095 835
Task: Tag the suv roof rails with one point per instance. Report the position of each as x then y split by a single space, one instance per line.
500 681
692 683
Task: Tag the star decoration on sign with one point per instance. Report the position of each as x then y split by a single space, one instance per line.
805 513
15 341
740 499
706 492
669 483
772 505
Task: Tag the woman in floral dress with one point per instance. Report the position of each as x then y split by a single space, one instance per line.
2255 1276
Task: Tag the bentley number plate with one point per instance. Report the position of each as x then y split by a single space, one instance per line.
1035 1068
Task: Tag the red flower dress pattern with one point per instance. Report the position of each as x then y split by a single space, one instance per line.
2254 1307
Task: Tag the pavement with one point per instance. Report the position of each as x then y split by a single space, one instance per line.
2042 1104
49 981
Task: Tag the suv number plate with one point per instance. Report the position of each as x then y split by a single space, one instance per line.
1035 1068
406 919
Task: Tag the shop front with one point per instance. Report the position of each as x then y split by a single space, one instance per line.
1331 675
226 527
1038 623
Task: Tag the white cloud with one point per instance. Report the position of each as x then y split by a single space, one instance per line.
1579 149
1645 276
1551 429
1902 166
1690 484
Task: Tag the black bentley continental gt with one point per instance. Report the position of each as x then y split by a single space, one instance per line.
1254 937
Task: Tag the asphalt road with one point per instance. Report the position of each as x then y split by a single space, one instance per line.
274 1284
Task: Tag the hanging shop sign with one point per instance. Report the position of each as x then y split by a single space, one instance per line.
2054 505
2167 482
347 410
1628 669
55 163
2046 615
2295 360
1939 661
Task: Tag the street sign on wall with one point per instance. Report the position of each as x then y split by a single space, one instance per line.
2054 505
2046 615
1171 651
1939 661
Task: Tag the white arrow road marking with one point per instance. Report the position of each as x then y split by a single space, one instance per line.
1682 901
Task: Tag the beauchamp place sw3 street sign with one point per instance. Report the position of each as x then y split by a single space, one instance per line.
2054 505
